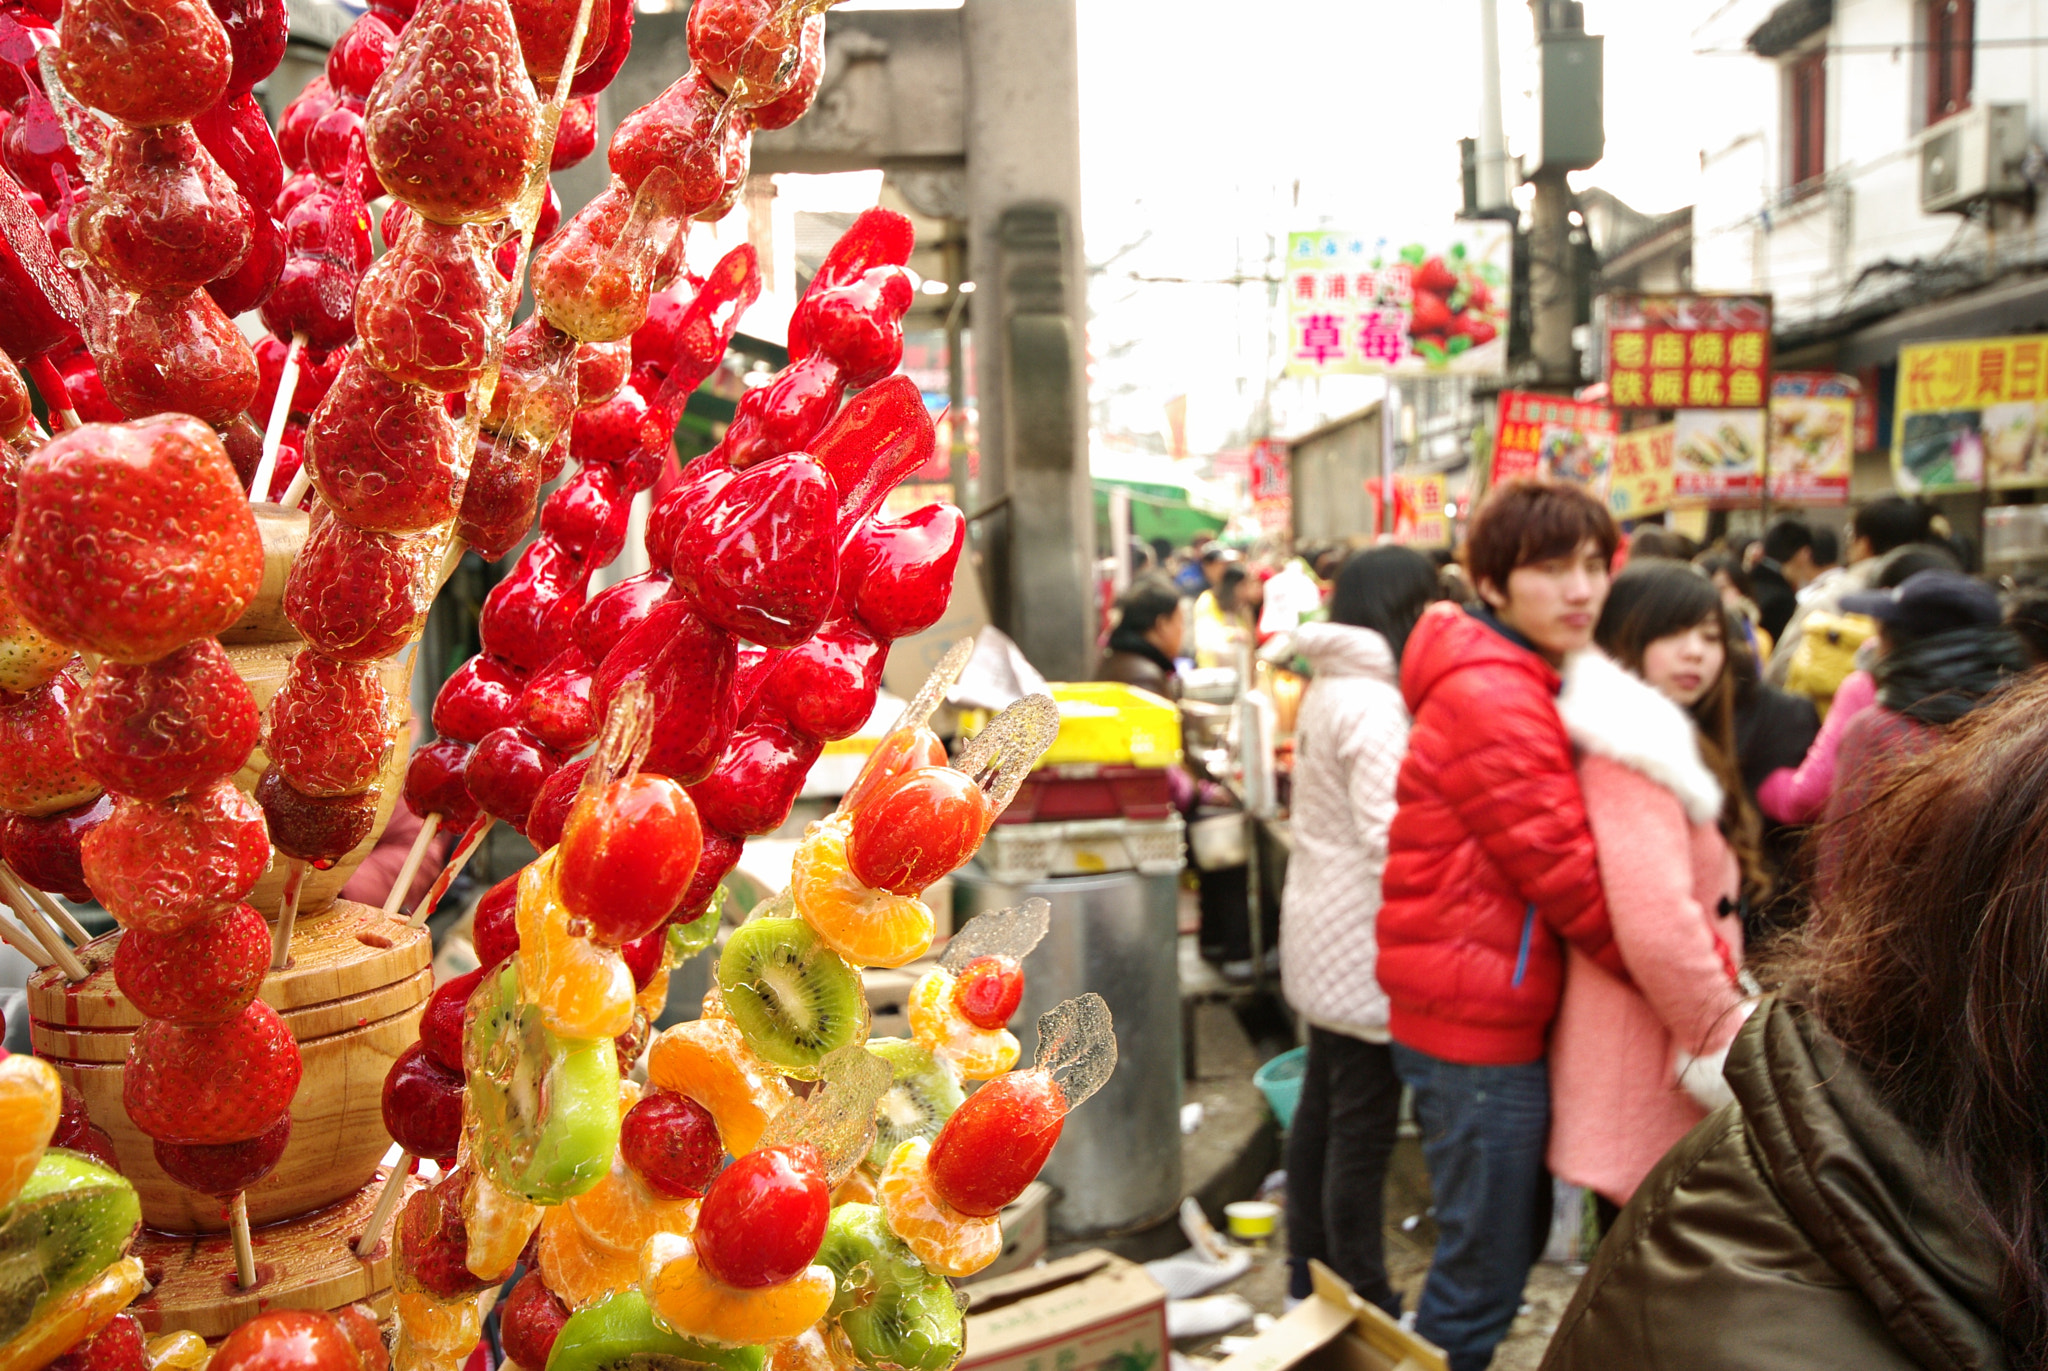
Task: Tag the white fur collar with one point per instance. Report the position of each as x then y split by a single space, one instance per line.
1614 714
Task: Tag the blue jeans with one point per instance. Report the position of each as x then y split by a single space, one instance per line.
1484 1130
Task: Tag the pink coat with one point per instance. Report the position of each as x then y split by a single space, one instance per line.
1798 796
1634 1065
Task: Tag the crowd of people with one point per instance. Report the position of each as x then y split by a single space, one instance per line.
1714 882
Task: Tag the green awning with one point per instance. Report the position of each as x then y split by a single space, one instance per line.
1157 511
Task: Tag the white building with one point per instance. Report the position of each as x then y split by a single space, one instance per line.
1874 165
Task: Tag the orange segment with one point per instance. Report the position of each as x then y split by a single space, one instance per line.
867 927
436 1325
708 1060
979 1053
857 1188
498 1225
689 1300
577 1269
180 1351
85 1311
30 1101
583 990
944 1239
653 997
621 1213
812 1350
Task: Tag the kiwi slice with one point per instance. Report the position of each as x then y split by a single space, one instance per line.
544 1109
917 1103
794 998
897 1315
72 1219
619 1333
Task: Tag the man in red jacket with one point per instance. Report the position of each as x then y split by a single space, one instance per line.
1489 864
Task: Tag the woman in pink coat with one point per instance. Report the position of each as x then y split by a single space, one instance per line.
1635 1064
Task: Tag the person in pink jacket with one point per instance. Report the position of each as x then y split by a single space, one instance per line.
1635 1063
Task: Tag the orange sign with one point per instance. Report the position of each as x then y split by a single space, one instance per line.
1688 351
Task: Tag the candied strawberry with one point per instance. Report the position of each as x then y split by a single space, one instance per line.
221 1169
211 1082
207 973
165 727
328 729
321 829
164 865
39 772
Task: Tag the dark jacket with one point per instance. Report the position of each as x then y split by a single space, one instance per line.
1798 1227
1489 860
1135 662
1775 599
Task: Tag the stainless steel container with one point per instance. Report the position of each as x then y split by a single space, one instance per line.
1117 1165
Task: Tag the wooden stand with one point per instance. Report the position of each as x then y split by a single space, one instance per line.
301 1263
352 998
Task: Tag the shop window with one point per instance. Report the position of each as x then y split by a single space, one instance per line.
1808 130
1951 49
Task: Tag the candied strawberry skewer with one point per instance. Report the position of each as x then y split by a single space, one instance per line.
136 543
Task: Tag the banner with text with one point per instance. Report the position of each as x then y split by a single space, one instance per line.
1549 435
1717 455
1357 304
1419 517
1688 351
1640 482
1966 407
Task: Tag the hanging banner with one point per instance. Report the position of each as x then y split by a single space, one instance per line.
1688 351
1640 483
1358 305
1963 405
1419 518
1717 455
1266 477
1549 435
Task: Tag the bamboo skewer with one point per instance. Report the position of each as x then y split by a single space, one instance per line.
20 940
395 901
457 859
280 413
287 914
72 928
32 919
245 1251
387 1204
296 491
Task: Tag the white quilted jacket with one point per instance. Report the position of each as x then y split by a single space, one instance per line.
1349 738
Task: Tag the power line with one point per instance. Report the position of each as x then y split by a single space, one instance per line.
1869 49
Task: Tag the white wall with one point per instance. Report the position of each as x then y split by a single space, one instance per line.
1810 252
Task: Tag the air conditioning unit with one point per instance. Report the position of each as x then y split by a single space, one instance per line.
1972 156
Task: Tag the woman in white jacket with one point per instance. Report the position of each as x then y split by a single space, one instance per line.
1349 739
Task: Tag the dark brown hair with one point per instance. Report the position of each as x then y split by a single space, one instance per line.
1928 960
1525 520
1653 599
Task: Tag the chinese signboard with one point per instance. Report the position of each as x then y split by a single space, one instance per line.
1549 435
1688 351
1358 304
1717 454
1813 434
1639 483
1266 475
1419 517
1970 407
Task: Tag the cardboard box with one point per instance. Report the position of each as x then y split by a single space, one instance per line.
1335 1330
1091 1312
1025 1233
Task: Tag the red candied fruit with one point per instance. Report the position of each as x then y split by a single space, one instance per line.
423 1105
164 865
997 1142
763 1218
319 829
211 1082
164 727
923 825
222 1169
672 1144
208 972
627 855
434 784
989 990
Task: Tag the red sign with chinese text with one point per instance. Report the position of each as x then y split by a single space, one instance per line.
1550 435
1688 351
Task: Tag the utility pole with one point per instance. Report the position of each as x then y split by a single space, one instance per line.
1573 138
1493 142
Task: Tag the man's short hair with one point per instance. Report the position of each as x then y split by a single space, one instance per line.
1784 539
1527 520
1892 521
1150 598
1827 546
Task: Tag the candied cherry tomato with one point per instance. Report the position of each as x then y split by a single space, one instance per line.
995 1143
988 991
627 856
916 828
764 1218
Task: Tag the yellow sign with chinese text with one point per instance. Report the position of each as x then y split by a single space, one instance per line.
1971 410
1639 482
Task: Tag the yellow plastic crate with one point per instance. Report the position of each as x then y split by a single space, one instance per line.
1111 724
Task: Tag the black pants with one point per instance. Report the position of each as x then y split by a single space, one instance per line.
1337 1154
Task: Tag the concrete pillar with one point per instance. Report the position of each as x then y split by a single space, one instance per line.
1030 310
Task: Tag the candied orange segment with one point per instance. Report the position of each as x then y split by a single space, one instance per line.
944 1239
653 997
691 1301
815 1349
980 1054
583 990
77 1316
868 927
708 1060
577 1269
441 1326
857 1188
498 1226
180 1351
30 1101
621 1213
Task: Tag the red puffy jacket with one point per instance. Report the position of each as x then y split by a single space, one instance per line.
1489 859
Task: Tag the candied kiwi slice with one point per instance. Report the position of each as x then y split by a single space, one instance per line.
794 998
897 1314
619 1333
922 1095
71 1220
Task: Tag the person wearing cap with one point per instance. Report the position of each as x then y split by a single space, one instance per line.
1946 649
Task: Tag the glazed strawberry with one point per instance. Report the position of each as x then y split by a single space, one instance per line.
360 595
758 778
593 277
601 369
39 772
163 216
174 354
383 454
43 850
124 50
545 27
495 928
897 574
222 1169
214 1082
329 727
239 139
454 122
680 133
483 694
766 557
257 33
321 829
532 1320
825 688
627 855
616 608
434 784
555 707
359 57
671 1143
117 1347
800 88
576 138
433 1241
497 503
429 310
441 1020
618 46
317 373
506 772
550 811
165 727
526 619
173 552
746 46
164 865
206 973
586 517
536 394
